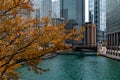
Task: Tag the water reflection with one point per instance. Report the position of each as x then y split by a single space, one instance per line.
84 54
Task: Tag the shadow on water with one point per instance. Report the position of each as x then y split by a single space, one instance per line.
85 54
81 53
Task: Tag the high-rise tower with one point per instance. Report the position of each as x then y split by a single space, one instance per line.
113 27
73 10
97 15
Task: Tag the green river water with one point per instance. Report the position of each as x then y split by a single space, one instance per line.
75 67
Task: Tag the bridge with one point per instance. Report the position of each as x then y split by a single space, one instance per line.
85 47
78 53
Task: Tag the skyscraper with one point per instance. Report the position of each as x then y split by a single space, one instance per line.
46 8
36 6
113 26
97 15
73 10
56 9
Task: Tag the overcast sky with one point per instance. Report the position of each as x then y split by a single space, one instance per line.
86 11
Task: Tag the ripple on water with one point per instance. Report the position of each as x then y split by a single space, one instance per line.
72 67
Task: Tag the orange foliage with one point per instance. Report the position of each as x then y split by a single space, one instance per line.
23 43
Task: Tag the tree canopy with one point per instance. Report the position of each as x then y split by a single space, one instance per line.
22 42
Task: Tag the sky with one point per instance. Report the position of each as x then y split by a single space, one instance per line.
86 11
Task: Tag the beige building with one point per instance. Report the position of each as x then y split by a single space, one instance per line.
90 35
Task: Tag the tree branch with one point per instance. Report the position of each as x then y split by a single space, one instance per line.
17 52
26 60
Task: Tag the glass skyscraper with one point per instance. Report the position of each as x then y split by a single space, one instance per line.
43 7
113 16
73 10
46 8
97 15
103 15
36 6
113 26
56 9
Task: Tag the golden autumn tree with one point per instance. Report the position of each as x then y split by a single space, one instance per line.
22 42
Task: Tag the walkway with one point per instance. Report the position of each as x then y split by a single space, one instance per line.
103 51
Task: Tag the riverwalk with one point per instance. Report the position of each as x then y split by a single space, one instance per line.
107 53
51 55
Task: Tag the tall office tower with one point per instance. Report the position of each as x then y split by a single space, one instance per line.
36 4
113 26
36 7
56 9
97 15
46 8
74 10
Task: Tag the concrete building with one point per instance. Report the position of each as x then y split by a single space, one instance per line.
113 27
97 15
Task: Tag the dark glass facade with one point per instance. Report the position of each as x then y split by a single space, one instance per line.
113 16
73 10
113 27
97 15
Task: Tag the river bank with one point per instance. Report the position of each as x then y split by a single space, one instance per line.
111 56
102 51
49 55
54 54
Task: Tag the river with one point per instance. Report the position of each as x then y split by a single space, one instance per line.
75 67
